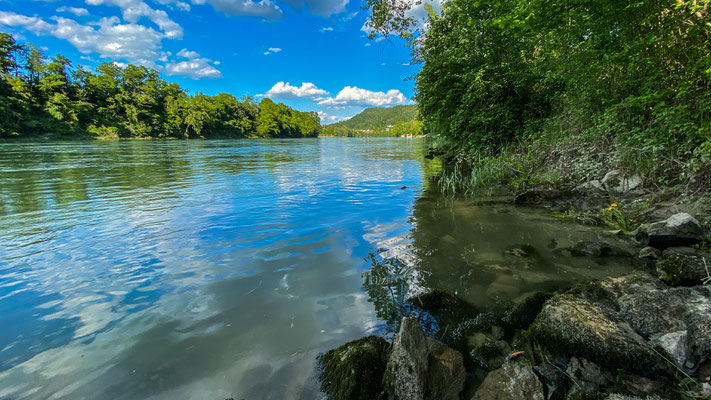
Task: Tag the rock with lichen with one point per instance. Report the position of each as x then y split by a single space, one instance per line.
684 266
617 322
515 380
422 368
573 325
678 230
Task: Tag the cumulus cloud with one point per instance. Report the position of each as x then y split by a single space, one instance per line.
353 96
196 68
284 90
33 24
326 29
79 12
331 119
134 10
109 38
272 50
188 54
264 8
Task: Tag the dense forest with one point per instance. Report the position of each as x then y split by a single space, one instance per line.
395 121
51 97
522 91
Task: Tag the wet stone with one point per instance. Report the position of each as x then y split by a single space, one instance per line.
514 380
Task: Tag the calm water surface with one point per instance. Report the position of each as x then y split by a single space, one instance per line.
208 270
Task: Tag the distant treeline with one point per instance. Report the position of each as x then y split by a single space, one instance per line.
40 96
394 121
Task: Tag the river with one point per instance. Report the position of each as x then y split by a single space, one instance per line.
221 269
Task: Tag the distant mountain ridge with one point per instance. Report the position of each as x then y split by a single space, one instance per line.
391 121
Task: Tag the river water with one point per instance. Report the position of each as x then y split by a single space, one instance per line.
218 269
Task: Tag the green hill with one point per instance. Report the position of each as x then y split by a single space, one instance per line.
392 121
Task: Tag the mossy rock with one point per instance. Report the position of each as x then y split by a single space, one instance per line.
571 325
522 315
355 370
683 266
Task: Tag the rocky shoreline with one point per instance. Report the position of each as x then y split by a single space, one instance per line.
641 335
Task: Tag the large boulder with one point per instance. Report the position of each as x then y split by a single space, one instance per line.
617 322
678 230
513 381
574 325
684 266
355 370
617 183
422 368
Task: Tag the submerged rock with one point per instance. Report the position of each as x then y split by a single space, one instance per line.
597 249
355 370
514 380
423 368
678 230
684 266
521 251
440 303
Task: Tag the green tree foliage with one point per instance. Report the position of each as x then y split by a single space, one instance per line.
631 78
41 97
393 121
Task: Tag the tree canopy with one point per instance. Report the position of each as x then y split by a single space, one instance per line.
40 96
627 78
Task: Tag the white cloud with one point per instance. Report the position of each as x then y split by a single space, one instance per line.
263 8
134 10
326 29
79 12
196 68
283 90
33 24
188 54
109 38
181 5
272 50
331 119
353 96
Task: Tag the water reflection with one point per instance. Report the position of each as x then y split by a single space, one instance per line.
190 269
221 269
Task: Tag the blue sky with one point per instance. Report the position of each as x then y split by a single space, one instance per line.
310 54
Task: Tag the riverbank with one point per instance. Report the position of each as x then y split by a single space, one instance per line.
641 335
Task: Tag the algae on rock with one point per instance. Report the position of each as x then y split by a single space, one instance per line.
355 370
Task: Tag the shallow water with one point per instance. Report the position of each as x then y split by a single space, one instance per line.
216 269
